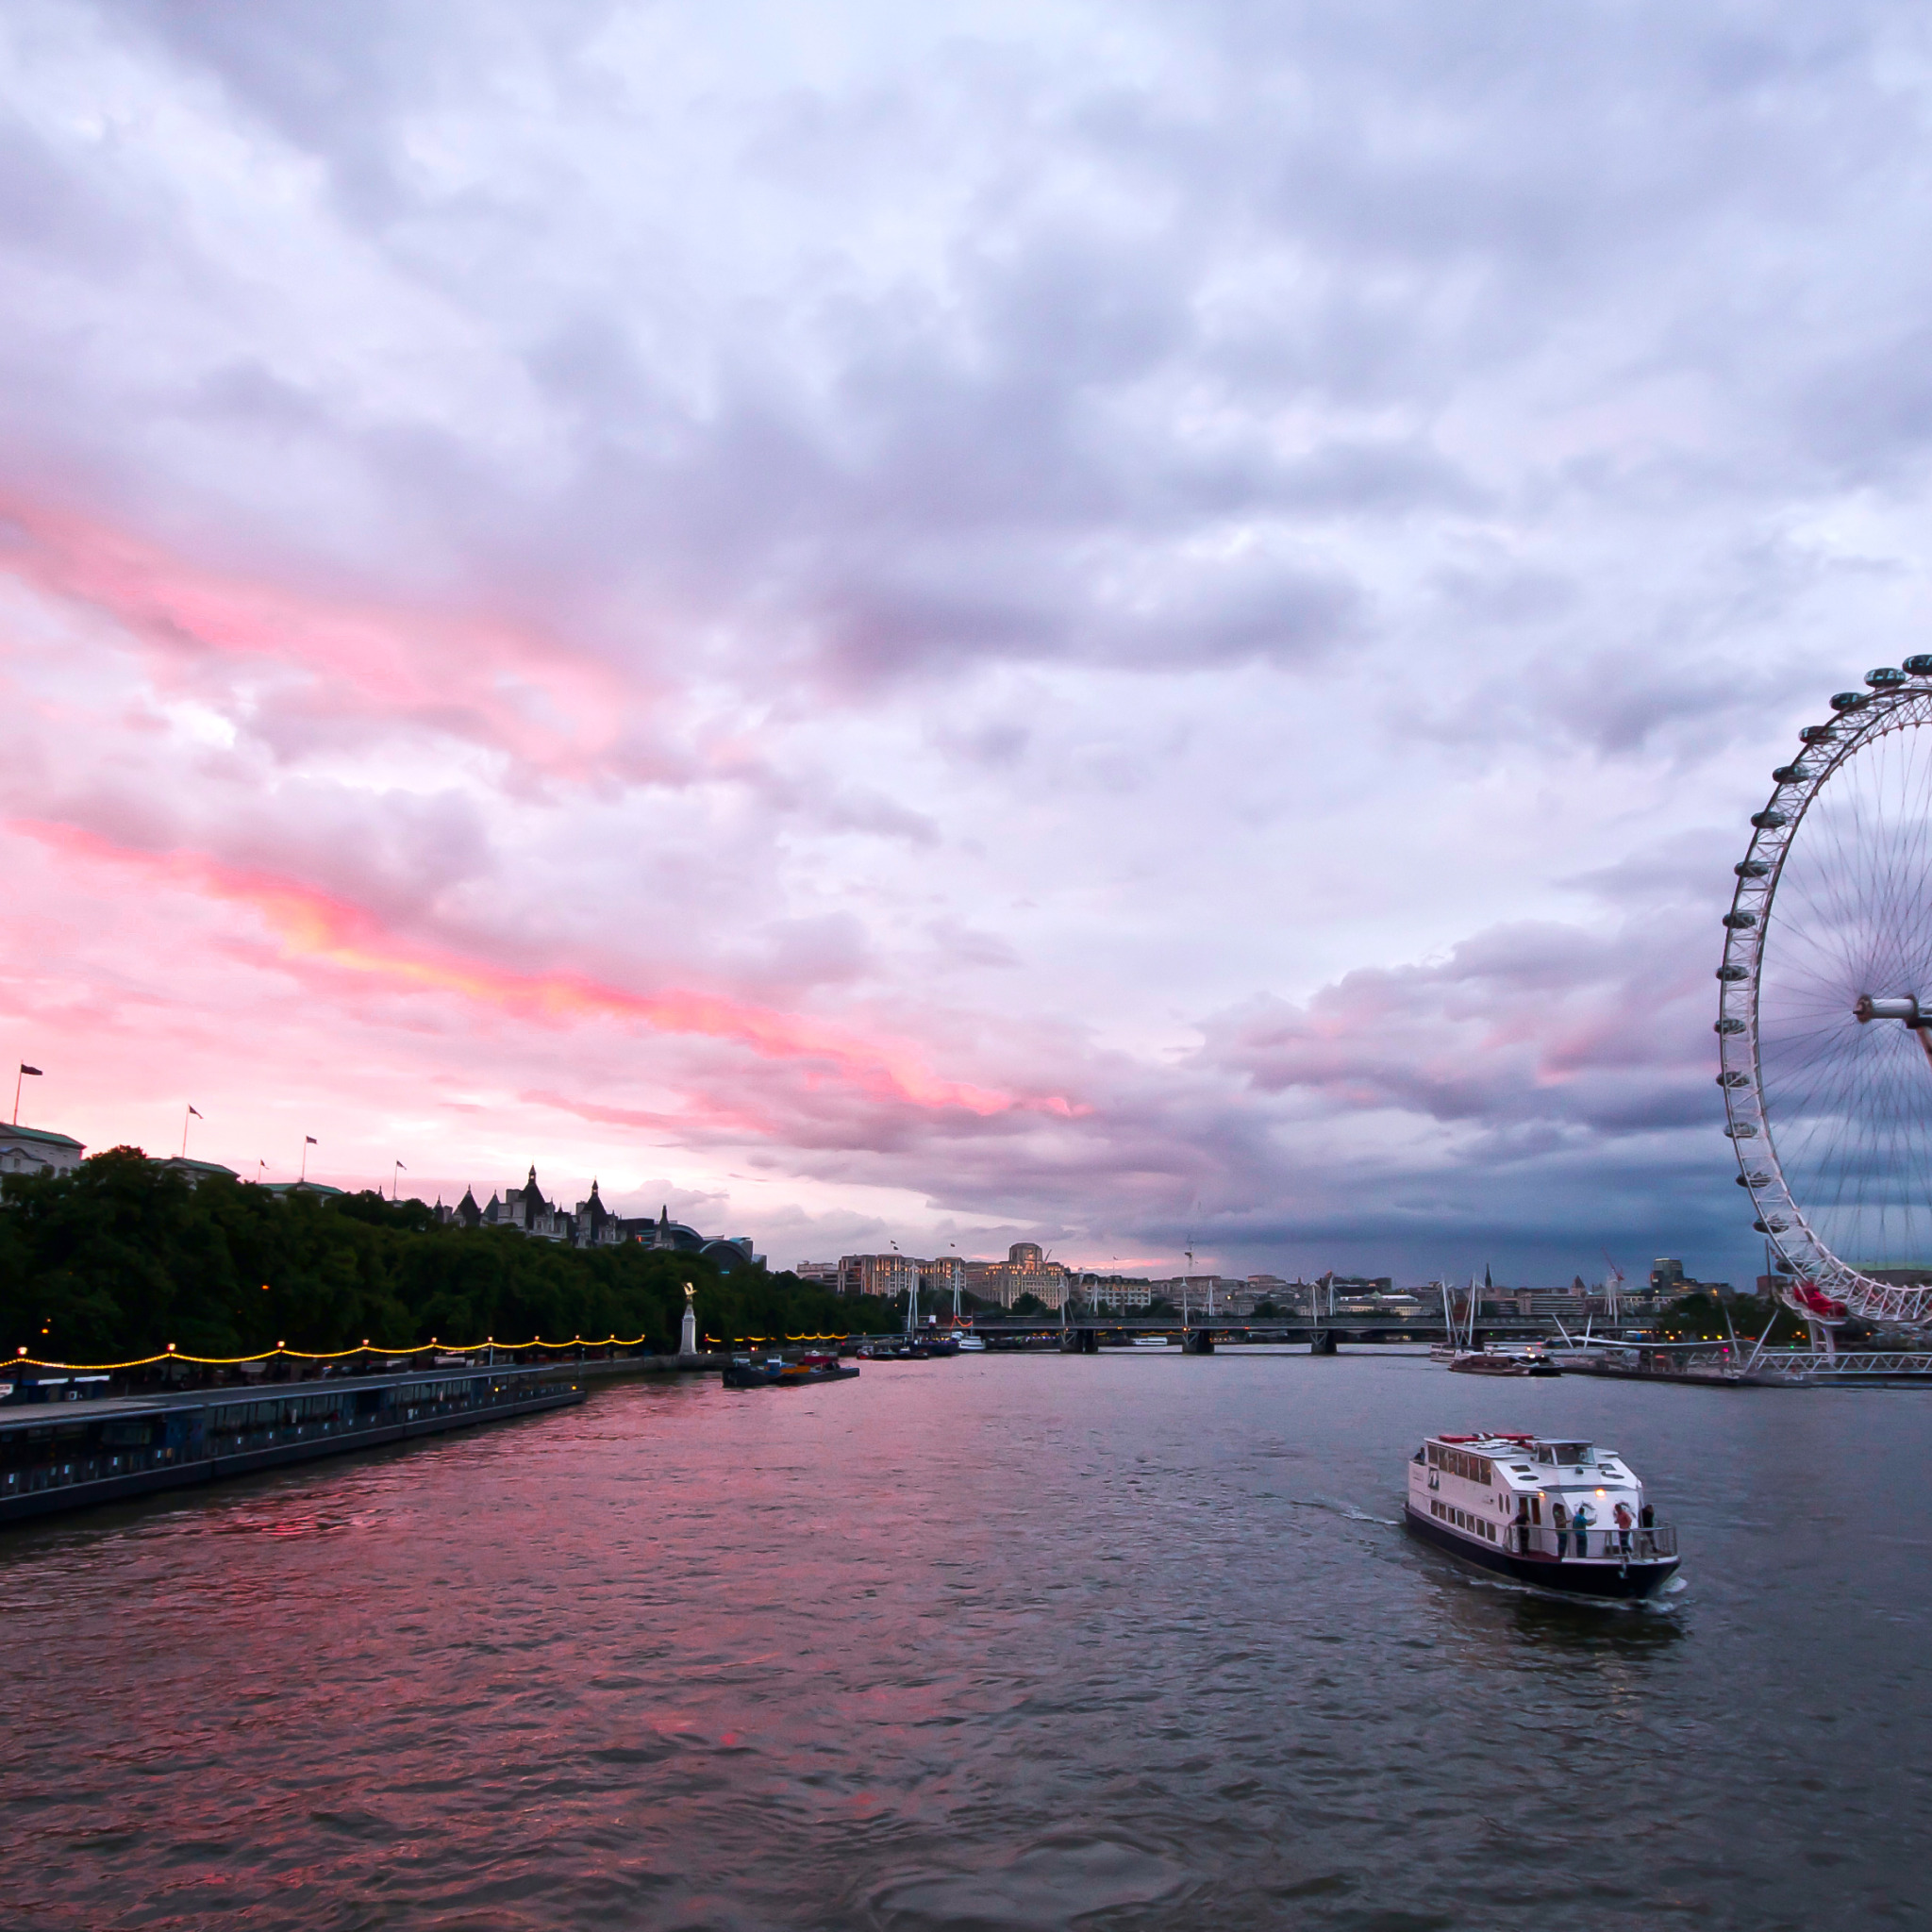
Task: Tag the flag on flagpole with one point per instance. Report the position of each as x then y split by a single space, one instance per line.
25 1069
404 1165
309 1139
195 1111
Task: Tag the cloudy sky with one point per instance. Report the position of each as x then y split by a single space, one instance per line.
1101 622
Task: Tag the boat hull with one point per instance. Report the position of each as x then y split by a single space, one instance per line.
1622 1582
736 1378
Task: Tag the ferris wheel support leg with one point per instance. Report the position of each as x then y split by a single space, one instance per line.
1823 1342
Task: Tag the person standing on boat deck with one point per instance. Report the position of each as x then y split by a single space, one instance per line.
1559 1515
1580 1519
1624 1520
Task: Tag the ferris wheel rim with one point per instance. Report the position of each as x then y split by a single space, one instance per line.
1828 1288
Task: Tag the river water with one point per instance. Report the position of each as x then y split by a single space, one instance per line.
1003 1641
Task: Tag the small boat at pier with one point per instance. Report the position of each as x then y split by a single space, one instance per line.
1503 1362
1563 1516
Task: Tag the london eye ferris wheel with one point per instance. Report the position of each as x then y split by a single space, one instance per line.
1824 1017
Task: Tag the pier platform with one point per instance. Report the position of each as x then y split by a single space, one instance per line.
57 1455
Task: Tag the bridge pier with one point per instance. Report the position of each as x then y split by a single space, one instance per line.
1322 1341
1197 1342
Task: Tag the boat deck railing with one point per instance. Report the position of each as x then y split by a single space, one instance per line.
1597 1543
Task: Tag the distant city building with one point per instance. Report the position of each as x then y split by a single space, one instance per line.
1540 1304
1668 1280
1025 1271
1120 1294
195 1172
524 1208
943 1276
821 1273
527 1210
37 1150
882 1275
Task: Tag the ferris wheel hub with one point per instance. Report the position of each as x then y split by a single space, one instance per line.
1906 1008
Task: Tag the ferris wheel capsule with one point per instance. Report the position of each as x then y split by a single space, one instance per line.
1824 1008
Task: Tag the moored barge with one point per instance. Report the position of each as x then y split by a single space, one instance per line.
1563 1516
60 1456
781 1372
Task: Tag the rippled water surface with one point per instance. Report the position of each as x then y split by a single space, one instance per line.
1121 1641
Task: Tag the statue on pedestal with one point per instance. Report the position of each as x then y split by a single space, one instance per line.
688 1340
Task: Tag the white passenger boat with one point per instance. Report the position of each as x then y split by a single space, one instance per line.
969 1344
1563 1516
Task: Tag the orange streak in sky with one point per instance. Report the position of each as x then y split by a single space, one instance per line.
313 926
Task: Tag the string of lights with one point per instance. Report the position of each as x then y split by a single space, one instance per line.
170 1354
717 1343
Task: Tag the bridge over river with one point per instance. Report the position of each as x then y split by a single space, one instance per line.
1200 1334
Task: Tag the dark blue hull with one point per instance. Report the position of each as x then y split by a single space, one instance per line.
1624 1581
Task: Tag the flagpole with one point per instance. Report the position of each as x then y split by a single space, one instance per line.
17 1079
185 1112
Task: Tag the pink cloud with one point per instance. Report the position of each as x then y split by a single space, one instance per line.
471 674
320 928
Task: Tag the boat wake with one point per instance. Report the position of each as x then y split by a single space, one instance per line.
1342 1508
